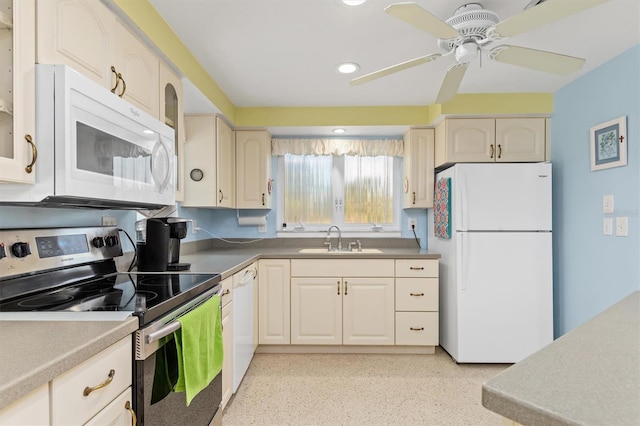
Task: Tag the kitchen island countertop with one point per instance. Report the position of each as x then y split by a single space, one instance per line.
589 376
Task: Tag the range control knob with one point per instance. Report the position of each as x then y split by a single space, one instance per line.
98 242
20 249
2 251
111 240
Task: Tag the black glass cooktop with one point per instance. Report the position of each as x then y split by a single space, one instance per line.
148 296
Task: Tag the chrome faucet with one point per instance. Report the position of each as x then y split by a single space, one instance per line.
328 241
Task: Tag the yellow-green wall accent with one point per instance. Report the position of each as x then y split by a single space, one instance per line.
144 15
147 18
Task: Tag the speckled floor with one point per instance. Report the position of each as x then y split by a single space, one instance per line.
355 389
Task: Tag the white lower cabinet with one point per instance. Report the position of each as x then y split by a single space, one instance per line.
118 413
356 309
342 311
84 391
227 343
417 307
30 410
274 322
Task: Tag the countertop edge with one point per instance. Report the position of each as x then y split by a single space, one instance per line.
13 390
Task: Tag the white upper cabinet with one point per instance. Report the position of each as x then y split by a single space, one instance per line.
209 162
488 140
88 37
418 163
172 111
17 91
253 169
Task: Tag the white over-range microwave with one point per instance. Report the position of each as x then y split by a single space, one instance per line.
94 149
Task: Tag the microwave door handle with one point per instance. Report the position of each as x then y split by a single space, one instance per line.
162 182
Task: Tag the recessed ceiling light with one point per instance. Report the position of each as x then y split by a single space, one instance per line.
353 2
339 131
348 68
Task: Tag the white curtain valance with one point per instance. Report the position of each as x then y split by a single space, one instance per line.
360 147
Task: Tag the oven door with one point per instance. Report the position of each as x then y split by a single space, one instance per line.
172 410
106 148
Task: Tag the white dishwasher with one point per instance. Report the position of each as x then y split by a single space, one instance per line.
243 285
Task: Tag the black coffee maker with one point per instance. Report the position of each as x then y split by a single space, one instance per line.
158 246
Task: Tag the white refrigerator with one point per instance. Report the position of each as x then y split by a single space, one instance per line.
496 275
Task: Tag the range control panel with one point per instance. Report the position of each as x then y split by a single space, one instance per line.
24 251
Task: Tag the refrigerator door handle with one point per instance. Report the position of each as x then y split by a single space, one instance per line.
464 262
462 220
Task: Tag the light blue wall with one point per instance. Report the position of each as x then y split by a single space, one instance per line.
593 271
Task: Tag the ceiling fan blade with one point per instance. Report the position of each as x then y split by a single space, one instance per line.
537 16
451 83
415 15
394 68
540 60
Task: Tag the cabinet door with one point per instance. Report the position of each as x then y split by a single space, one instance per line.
520 139
30 410
468 140
118 413
139 68
274 302
200 157
78 33
253 169
368 311
226 160
418 164
17 91
172 112
227 362
316 311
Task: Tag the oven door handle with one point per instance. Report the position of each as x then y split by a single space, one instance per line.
170 328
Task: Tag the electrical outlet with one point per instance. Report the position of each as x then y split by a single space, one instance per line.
194 226
413 224
108 221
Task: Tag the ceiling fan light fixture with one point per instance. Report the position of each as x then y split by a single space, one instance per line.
348 68
353 2
466 52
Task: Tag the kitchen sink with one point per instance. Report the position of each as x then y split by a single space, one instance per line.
325 251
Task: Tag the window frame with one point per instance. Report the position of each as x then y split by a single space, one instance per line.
311 230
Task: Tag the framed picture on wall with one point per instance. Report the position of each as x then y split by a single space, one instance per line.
609 144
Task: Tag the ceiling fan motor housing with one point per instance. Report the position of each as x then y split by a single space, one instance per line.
472 22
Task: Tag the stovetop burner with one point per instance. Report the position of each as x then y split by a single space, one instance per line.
147 296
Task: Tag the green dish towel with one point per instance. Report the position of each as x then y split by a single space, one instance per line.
199 347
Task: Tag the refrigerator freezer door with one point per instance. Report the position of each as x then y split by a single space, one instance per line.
501 197
505 295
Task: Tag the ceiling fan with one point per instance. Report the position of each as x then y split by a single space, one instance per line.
472 29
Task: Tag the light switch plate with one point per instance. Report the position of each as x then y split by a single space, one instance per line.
622 226
607 226
607 204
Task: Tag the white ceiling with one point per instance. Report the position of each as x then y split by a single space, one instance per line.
285 52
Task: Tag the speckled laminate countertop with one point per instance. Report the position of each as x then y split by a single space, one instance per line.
35 352
589 376
229 261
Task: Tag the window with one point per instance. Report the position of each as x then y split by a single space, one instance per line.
350 191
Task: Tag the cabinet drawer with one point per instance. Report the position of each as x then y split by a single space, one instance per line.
342 268
416 267
118 412
69 405
417 294
417 328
